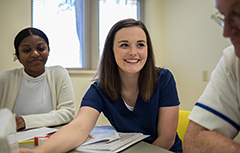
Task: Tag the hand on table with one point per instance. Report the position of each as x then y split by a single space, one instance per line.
20 122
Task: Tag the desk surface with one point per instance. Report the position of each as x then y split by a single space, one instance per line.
140 147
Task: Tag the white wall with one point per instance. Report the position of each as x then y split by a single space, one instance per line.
187 41
14 16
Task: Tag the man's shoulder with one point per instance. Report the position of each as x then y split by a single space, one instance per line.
229 54
229 60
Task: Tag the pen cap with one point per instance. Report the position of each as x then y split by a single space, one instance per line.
8 133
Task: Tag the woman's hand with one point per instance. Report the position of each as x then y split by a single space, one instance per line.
20 122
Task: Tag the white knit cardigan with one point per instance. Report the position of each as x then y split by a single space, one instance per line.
61 92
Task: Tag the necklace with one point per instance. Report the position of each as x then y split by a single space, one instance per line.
126 99
130 99
129 95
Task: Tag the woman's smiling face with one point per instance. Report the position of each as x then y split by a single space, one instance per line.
130 49
33 54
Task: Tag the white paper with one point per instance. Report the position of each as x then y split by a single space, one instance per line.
102 133
125 140
31 133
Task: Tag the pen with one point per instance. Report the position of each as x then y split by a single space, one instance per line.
90 136
28 141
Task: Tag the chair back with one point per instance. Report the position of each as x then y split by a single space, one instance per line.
182 123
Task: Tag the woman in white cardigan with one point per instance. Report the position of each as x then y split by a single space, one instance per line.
38 95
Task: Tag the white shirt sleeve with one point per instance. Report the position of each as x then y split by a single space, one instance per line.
218 107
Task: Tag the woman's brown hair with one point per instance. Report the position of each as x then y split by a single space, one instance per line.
108 75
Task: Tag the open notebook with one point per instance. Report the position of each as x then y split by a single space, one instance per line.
8 136
106 139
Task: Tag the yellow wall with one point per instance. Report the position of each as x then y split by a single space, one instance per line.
184 37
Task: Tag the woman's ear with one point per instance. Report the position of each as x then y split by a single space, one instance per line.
18 58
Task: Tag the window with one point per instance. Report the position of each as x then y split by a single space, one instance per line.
77 28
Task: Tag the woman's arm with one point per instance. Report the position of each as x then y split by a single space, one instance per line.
167 126
71 135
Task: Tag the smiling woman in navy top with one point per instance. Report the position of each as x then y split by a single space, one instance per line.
132 93
130 90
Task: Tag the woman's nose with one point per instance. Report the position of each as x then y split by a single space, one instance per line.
133 51
35 53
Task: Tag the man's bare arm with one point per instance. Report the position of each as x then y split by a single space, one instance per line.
201 140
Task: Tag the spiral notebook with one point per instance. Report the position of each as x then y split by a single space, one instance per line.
113 142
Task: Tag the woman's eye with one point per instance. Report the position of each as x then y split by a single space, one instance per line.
41 49
26 50
140 45
124 45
